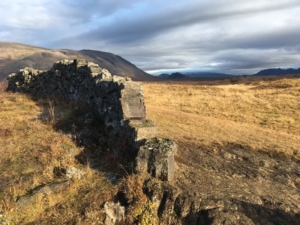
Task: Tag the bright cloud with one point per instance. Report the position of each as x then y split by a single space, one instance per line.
230 36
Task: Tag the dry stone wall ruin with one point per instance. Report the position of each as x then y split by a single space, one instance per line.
118 103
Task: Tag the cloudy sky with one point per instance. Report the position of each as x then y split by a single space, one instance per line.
230 36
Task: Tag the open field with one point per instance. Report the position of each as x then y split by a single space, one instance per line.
261 115
239 143
238 147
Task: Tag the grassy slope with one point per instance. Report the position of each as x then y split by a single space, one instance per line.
265 116
35 139
15 56
30 149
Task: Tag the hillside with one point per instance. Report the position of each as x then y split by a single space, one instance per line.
238 157
236 144
15 56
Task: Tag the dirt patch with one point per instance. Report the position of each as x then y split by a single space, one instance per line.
233 183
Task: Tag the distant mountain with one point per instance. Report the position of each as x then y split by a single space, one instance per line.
208 75
278 71
173 76
164 76
14 56
178 76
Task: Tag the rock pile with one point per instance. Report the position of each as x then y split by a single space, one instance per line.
117 101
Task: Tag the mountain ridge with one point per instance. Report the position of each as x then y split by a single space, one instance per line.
15 56
277 71
175 75
194 75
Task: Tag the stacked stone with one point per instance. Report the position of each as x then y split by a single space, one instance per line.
118 102
26 80
156 157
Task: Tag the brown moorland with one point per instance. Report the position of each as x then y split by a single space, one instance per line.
239 144
262 115
239 147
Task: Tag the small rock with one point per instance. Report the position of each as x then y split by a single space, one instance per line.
119 79
114 213
72 172
40 192
112 177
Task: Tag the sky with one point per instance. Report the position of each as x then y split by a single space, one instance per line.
227 36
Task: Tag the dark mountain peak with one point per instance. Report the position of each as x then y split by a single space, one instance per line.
178 75
164 76
277 71
175 75
208 74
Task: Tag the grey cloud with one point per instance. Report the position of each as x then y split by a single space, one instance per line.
255 60
133 30
285 39
277 39
84 11
188 34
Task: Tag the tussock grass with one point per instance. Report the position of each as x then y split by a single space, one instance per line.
263 115
31 148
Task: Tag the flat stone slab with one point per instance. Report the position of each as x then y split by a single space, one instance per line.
156 157
133 108
144 129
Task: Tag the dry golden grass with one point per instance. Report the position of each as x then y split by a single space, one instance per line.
30 150
11 51
34 144
262 115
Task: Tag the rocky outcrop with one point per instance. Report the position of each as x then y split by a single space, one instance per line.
156 157
118 102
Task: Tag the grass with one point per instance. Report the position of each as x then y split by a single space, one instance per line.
38 141
35 142
30 150
261 115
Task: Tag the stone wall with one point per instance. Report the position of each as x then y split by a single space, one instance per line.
118 102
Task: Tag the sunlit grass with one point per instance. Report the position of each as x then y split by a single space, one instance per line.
265 116
30 150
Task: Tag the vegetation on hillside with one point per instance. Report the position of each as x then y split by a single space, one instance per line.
39 139
14 56
264 115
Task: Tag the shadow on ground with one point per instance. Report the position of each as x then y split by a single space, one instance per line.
230 185
246 213
79 121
